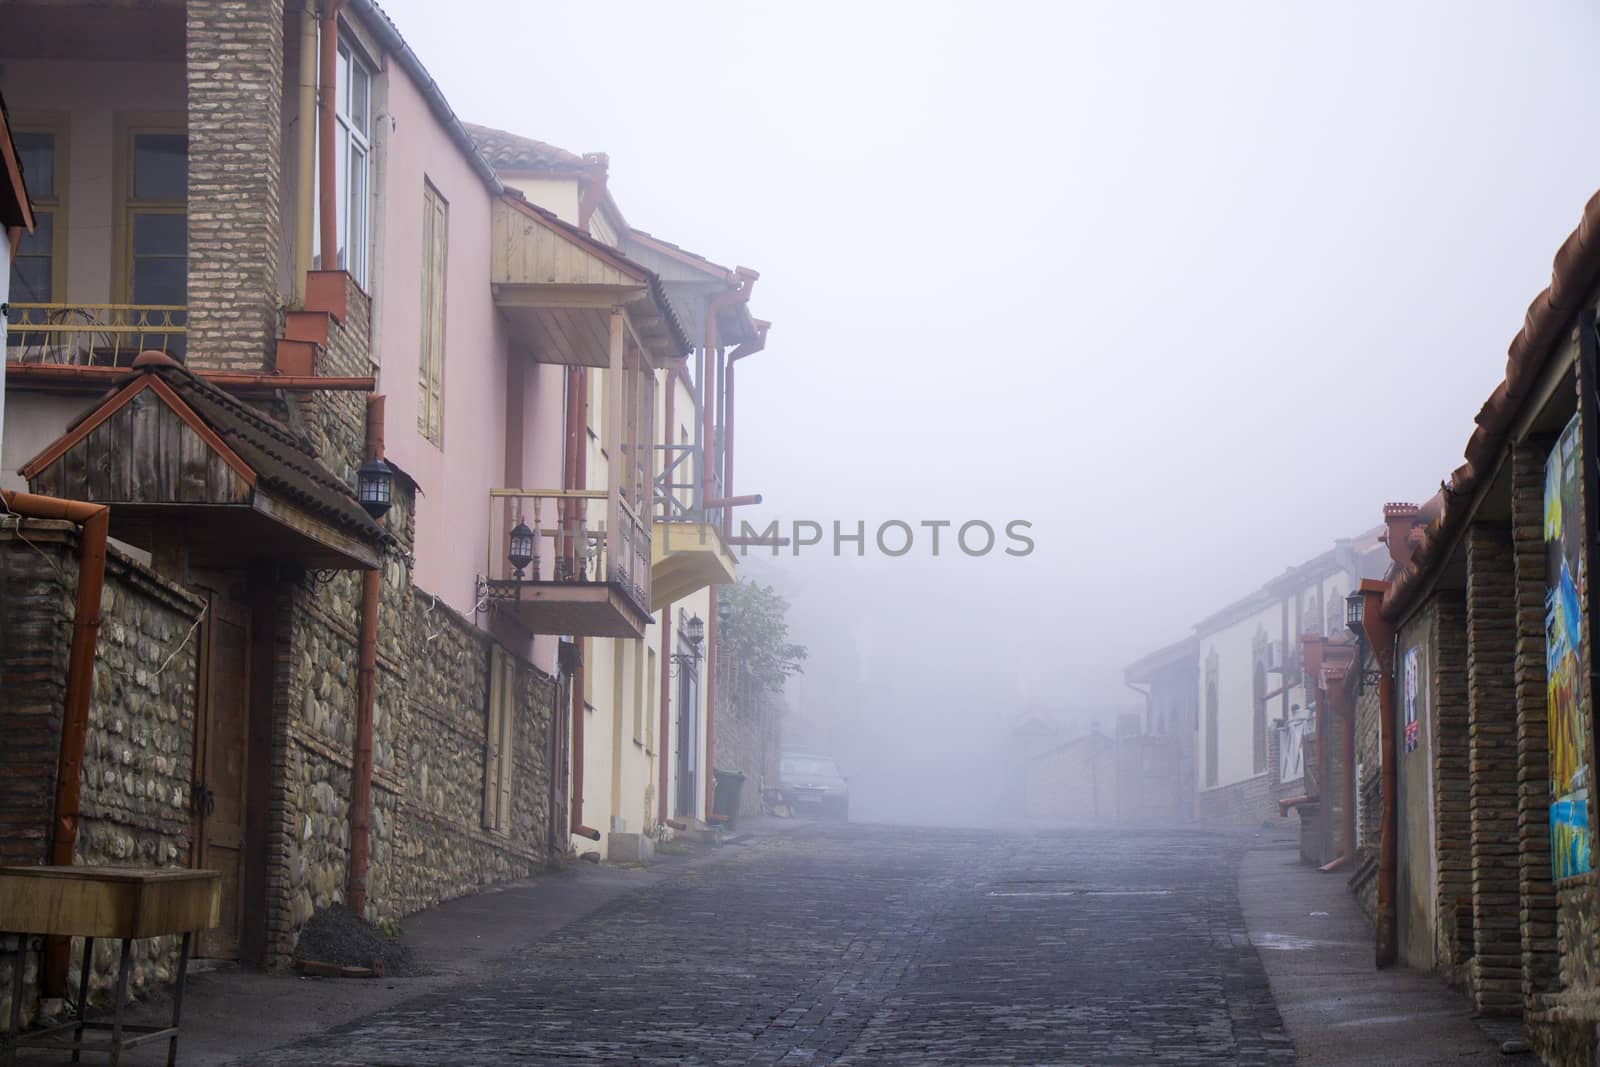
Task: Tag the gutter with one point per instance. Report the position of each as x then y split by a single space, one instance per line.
749 348
95 522
388 36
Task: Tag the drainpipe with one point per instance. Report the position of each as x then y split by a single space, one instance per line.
577 470
305 150
748 349
663 735
1381 635
366 698
328 62
94 521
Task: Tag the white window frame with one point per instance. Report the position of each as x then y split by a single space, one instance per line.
352 130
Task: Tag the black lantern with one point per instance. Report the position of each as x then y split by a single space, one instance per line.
521 548
694 631
1354 604
375 487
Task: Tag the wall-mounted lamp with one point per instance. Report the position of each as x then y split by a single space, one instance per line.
521 553
375 487
1354 606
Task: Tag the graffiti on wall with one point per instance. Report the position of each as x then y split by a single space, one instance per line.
1411 680
1563 627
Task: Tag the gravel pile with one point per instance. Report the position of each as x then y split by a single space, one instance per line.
336 935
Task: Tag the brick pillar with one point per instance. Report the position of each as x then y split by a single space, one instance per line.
1538 902
1496 978
1452 789
235 83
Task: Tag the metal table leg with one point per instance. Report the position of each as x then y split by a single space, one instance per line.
122 996
177 1000
83 995
18 973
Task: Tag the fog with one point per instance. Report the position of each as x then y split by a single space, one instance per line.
1191 289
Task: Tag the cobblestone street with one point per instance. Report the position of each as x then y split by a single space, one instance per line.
871 945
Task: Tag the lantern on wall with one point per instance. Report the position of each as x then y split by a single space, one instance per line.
375 487
521 548
1354 605
694 631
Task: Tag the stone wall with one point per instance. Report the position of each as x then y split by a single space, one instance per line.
138 755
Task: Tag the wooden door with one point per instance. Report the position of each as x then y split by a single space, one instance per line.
221 759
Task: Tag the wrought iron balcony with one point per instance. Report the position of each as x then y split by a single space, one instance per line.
93 335
585 569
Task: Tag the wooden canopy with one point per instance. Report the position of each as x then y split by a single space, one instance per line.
179 460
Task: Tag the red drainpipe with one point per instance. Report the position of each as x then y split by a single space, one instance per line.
663 736
95 522
1381 636
327 76
366 698
577 471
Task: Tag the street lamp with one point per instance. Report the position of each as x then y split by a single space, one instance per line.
375 487
694 632
521 548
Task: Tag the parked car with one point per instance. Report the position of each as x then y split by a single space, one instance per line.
813 785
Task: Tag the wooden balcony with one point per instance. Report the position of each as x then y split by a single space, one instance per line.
93 335
589 575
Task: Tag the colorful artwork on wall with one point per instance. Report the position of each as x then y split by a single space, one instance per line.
1411 677
1563 628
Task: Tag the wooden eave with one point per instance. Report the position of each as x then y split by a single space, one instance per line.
583 609
557 288
15 209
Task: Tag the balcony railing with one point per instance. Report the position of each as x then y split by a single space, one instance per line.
581 539
93 335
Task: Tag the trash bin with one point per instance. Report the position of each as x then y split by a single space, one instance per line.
725 800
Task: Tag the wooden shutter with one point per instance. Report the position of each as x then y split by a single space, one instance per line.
430 364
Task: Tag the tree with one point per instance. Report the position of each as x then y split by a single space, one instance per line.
753 635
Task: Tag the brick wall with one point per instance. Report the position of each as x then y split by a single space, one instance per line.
1496 974
749 735
235 92
1452 791
1537 909
1248 802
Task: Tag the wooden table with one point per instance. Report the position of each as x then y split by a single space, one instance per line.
90 902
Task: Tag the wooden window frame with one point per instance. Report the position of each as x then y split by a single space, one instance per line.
129 125
58 125
499 741
434 283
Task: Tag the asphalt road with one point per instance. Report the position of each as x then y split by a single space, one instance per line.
874 945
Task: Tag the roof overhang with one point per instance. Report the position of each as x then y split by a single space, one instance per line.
558 288
15 210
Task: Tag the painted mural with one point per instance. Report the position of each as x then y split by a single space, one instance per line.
1411 678
1563 628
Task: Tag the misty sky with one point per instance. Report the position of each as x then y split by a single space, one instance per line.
1193 288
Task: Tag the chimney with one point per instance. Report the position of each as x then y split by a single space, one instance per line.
1400 520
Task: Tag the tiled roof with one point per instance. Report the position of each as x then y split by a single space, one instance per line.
1576 267
510 151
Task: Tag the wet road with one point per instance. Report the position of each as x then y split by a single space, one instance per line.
876 945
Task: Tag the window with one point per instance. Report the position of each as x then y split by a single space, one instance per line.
157 222
499 738
430 367
33 272
352 113
650 703
637 662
